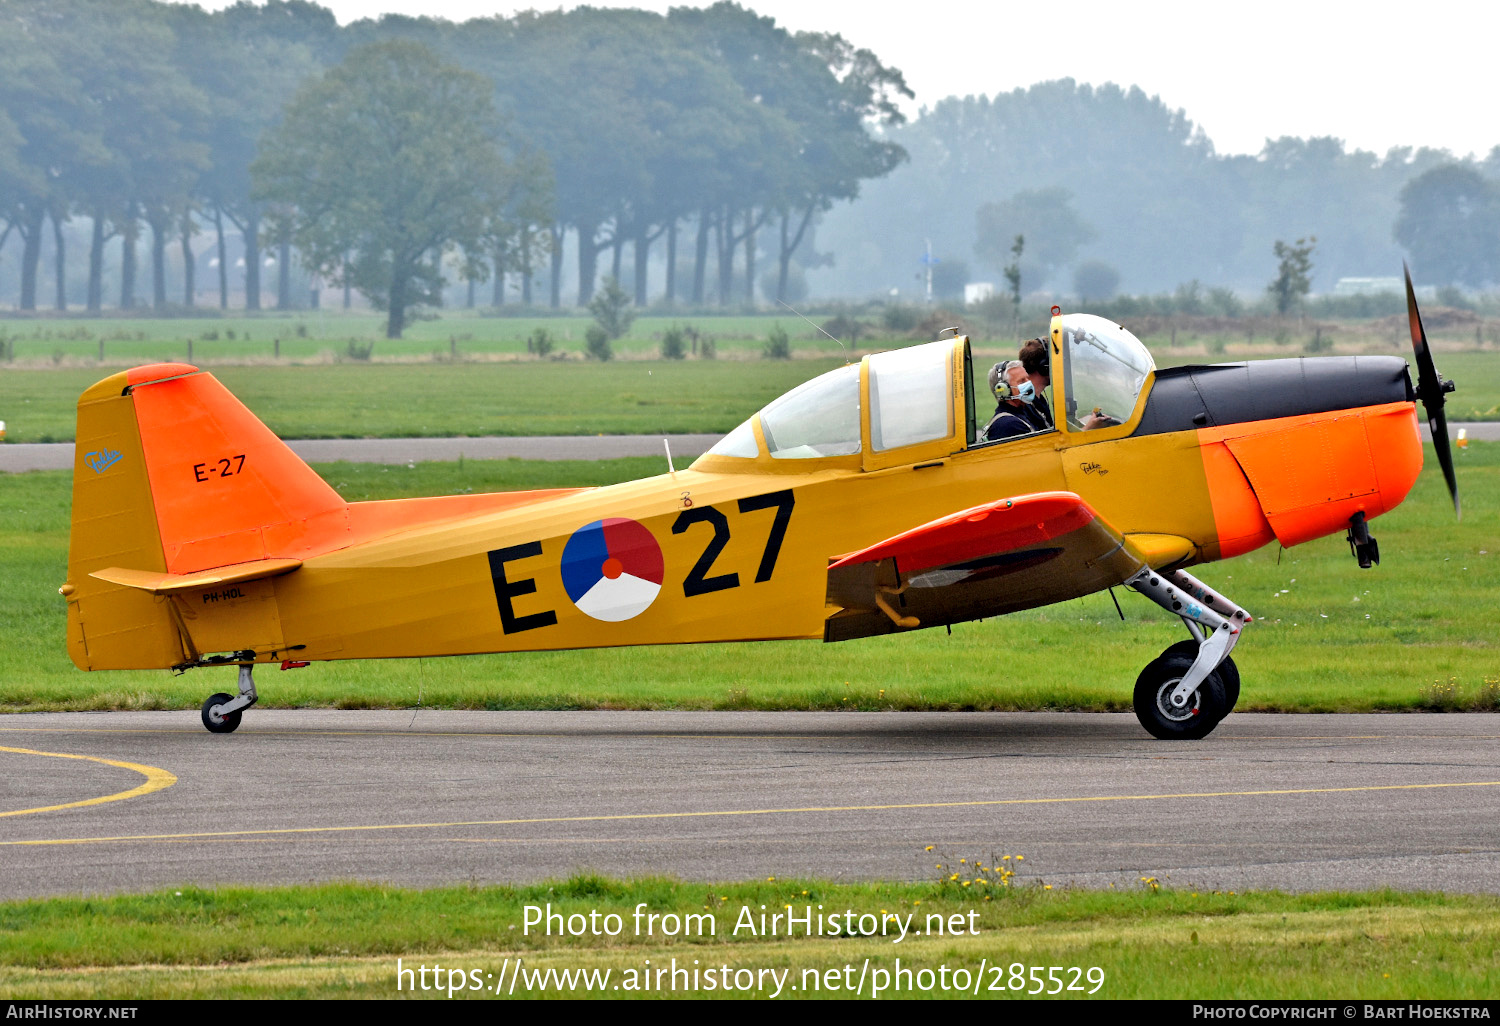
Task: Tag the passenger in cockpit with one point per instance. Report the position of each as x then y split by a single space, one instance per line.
1013 391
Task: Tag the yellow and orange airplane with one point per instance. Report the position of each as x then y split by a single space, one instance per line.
863 502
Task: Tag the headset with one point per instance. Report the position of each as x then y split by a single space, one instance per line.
1004 391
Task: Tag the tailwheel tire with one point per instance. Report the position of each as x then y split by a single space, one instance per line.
1227 671
1205 708
214 721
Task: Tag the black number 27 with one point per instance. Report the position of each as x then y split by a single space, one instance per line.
697 581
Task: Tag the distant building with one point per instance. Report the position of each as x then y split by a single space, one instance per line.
978 292
1366 286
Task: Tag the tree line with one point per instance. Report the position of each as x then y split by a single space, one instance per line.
1110 185
390 153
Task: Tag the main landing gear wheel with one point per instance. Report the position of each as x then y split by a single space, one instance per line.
1153 693
220 723
1227 671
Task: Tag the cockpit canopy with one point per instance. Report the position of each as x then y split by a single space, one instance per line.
1104 369
911 399
921 401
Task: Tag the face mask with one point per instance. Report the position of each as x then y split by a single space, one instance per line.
1026 392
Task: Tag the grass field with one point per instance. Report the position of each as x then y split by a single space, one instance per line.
1417 632
1148 941
355 400
403 400
309 335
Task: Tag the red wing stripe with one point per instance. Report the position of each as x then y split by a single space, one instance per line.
1002 526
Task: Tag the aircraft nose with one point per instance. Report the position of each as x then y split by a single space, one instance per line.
1219 395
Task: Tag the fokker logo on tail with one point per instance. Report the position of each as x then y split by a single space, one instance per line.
101 460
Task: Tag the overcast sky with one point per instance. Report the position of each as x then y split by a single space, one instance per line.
1374 74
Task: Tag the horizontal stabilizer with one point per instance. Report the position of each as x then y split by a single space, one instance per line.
166 584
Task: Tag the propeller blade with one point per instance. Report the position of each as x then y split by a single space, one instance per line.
1430 390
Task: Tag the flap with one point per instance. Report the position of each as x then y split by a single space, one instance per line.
166 584
985 530
988 560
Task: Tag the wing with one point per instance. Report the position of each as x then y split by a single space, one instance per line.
997 558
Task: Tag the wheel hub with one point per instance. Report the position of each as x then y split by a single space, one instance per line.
1175 713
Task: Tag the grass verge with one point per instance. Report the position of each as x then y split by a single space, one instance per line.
1416 633
343 940
393 400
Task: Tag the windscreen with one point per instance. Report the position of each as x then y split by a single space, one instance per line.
1106 368
815 419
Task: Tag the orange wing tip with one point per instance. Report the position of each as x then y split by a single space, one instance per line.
152 372
992 527
166 584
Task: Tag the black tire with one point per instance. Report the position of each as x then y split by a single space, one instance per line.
1205 709
220 724
1227 671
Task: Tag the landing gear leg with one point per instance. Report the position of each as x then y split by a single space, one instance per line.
221 713
1190 687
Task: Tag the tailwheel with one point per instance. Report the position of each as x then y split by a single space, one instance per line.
215 719
1194 719
221 713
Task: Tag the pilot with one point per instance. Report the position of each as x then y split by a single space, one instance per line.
1013 391
1037 360
1038 364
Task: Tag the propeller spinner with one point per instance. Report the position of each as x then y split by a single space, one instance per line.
1430 391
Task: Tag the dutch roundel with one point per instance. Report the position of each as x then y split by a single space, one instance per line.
612 569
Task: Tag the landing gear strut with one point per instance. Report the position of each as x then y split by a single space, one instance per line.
221 713
1189 688
1362 543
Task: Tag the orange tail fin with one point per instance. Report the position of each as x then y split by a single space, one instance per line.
226 489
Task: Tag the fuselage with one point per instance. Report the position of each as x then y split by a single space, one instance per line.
1209 463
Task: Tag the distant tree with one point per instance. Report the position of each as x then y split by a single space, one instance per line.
385 162
1046 217
1095 281
778 344
1224 302
1188 299
1013 276
50 119
1293 273
540 342
674 344
611 310
809 137
793 288
277 46
949 277
1450 224
596 343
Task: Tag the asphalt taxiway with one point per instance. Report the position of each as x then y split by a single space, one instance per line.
18 458
110 802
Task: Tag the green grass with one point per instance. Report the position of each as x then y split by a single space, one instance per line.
343 940
314 335
1418 632
396 397
403 400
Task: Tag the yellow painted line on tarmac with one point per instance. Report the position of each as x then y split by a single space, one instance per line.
157 779
375 827
580 735
625 732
